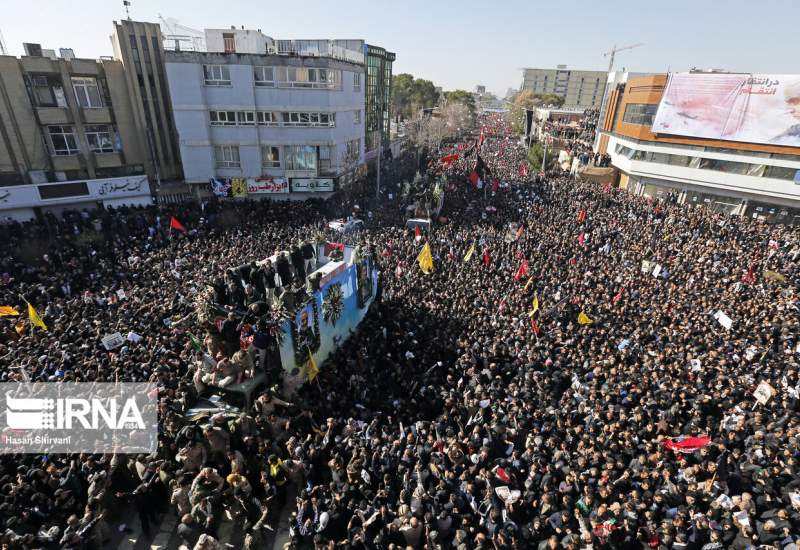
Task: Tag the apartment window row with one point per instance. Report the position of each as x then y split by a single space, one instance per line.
63 140
272 118
290 157
282 77
727 166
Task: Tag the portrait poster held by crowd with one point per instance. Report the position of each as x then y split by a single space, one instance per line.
523 379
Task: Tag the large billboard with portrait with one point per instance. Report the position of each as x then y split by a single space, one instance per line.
752 108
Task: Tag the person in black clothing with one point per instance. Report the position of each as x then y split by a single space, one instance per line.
269 282
230 333
309 255
284 269
299 264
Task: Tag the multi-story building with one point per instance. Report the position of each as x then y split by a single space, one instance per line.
67 135
760 180
139 47
378 98
578 88
275 116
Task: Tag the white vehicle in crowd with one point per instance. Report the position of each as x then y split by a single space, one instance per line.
345 227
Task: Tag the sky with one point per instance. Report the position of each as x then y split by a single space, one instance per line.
459 45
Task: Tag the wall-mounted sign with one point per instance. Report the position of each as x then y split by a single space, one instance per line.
267 185
312 185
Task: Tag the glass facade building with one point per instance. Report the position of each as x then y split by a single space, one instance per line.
378 96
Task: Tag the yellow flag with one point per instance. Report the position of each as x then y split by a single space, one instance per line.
8 310
36 321
311 369
425 259
469 253
583 319
535 302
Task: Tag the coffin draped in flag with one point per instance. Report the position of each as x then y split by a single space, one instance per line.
686 444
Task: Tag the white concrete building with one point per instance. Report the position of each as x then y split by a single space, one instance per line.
285 121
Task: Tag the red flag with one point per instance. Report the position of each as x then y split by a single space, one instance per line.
582 216
487 258
522 271
519 231
449 159
480 140
175 224
687 444
582 238
750 277
573 261
618 296
495 185
473 178
535 326
523 170
417 233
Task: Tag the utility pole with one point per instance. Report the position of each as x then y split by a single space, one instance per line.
380 154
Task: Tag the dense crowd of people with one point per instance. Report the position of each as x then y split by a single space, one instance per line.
533 391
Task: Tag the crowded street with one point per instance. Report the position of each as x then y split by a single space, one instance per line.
580 368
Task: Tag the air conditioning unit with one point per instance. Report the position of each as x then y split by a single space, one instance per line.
32 50
50 54
66 53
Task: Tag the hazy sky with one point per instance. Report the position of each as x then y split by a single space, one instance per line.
461 44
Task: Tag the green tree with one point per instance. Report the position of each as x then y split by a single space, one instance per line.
536 155
461 97
409 95
525 100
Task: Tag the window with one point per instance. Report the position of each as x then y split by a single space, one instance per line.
308 77
325 156
100 139
321 120
727 166
267 118
300 157
216 75
640 113
264 76
227 156
780 172
62 140
86 92
222 118
356 82
357 116
270 156
229 42
47 91
246 118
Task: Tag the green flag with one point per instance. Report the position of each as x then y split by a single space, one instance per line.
195 342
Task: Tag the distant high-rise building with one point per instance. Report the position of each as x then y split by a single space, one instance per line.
378 98
578 88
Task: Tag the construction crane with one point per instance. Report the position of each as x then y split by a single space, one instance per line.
614 51
180 37
3 50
